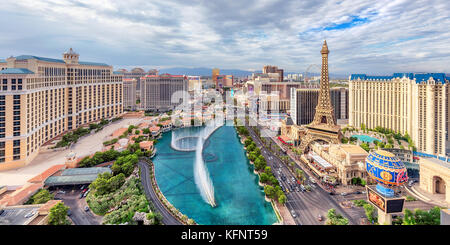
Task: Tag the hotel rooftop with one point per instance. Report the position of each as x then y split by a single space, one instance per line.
418 77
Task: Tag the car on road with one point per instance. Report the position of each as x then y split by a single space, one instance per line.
28 215
344 194
312 180
82 187
81 195
86 208
320 218
61 192
302 188
293 214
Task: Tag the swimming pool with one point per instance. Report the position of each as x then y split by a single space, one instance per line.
365 138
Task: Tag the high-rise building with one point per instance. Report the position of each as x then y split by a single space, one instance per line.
261 85
157 91
129 94
274 69
137 73
304 101
41 98
215 73
417 104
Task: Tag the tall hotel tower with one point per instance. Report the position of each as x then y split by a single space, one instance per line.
41 98
417 104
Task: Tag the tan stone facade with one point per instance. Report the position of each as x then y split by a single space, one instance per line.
41 98
406 105
348 160
129 94
435 177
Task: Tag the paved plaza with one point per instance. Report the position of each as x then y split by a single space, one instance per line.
87 145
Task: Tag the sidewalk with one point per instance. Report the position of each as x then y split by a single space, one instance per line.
287 217
87 145
433 199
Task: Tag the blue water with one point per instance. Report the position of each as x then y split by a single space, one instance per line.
365 138
239 198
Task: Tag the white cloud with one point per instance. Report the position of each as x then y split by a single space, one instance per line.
395 36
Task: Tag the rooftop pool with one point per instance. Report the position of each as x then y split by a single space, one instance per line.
239 198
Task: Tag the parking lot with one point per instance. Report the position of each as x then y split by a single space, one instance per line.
78 212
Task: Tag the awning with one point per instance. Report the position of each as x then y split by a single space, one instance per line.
324 164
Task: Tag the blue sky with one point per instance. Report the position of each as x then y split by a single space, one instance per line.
373 37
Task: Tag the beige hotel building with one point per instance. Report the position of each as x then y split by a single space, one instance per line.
41 98
405 102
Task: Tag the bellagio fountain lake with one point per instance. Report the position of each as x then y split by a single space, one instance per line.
204 173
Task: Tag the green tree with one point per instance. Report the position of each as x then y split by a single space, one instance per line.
335 219
370 212
251 147
270 191
42 196
365 146
422 217
300 174
282 199
58 215
264 178
408 218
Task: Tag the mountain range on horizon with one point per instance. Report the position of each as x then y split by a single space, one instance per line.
203 71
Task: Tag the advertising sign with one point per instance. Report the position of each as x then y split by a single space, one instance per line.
387 205
376 199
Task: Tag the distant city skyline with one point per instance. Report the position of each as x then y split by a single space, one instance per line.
377 38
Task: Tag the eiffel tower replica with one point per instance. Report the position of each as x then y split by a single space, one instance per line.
323 127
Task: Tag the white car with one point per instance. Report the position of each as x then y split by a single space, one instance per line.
28 215
293 214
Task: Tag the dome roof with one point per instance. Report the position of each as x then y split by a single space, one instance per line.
386 168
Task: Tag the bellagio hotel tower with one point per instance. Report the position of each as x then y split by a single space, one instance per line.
41 98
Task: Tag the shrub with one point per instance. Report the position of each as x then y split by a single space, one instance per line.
42 196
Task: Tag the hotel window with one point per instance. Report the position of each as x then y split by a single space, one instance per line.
5 81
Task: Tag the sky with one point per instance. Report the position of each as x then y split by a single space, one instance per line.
372 37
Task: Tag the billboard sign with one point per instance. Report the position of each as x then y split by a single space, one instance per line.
376 199
387 205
